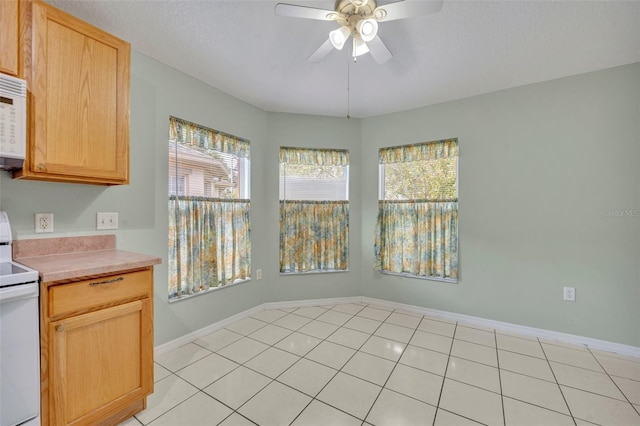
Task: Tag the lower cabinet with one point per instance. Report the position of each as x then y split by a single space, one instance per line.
96 349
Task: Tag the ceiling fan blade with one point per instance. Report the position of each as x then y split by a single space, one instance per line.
295 11
407 9
379 50
322 51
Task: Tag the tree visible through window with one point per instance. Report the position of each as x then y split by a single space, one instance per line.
421 179
417 227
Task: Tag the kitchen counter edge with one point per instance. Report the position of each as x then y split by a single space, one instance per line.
77 266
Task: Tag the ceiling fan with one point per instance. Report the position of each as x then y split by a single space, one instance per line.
359 19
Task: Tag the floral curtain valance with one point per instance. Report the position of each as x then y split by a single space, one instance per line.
197 136
447 148
313 156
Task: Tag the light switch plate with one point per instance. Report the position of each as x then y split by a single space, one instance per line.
107 220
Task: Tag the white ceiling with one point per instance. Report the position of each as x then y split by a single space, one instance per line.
470 47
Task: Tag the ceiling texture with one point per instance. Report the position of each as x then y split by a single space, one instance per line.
468 48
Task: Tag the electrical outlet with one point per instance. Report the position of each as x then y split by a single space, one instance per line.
44 223
107 220
570 294
258 274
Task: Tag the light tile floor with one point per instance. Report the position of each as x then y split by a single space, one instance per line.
363 365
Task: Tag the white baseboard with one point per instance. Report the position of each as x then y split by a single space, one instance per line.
312 302
204 331
602 345
573 339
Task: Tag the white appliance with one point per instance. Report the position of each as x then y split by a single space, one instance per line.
19 338
13 122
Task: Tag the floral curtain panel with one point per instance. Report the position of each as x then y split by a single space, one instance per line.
418 238
209 243
314 235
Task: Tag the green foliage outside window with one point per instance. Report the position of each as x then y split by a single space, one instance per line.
421 180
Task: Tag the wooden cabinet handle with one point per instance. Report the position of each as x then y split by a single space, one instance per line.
60 328
41 166
113 280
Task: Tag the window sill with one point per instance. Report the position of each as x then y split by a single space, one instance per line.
209 291
336 271
418 277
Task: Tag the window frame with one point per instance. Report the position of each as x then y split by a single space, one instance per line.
181 174
283 198
381 198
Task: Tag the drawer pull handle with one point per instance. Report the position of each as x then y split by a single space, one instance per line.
60 328
114 280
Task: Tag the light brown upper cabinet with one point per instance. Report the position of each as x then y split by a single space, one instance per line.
78 106
9 37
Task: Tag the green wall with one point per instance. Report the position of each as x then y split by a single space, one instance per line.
157 91
539 168
319 132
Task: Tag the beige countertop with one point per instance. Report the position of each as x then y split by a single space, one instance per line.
74 258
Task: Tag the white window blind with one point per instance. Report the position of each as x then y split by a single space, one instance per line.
314 174
207 163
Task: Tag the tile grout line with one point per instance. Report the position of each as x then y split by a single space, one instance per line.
258 372
370 335
172 407
444 377
557 383
271 379
394 366
232 413
313 398
504 416
273 346
614 382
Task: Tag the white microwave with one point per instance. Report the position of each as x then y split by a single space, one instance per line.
13 122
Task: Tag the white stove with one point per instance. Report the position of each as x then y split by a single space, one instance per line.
19 337
11 273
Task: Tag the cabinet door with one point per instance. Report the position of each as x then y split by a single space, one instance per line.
9 36
80 101
100 362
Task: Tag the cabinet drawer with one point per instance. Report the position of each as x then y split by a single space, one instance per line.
89 294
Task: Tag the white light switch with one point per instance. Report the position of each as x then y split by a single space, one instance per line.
107 220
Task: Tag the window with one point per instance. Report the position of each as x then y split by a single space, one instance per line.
314 210
417 227
209 191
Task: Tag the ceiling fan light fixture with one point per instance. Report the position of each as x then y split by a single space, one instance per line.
379 14
368 29
339 37
359 3
359 47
